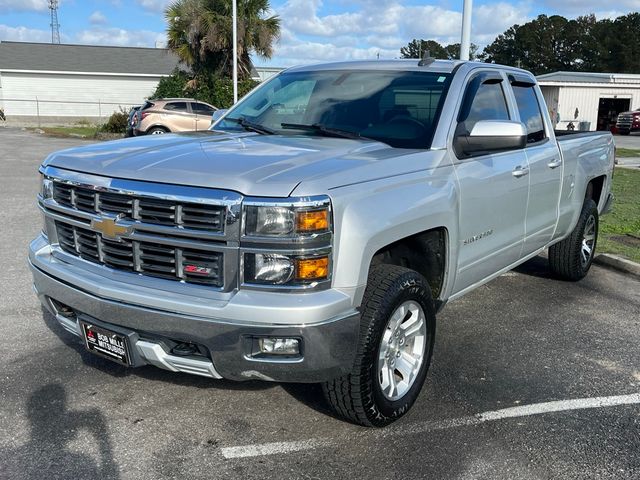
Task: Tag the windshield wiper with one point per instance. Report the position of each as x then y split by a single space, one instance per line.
323 130
250 126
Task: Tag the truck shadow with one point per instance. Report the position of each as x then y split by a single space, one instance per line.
54 426
536 267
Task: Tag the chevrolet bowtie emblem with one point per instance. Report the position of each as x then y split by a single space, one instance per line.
109 228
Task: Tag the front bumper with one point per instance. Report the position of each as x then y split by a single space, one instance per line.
324 321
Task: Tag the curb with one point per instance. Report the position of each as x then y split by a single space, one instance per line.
618 263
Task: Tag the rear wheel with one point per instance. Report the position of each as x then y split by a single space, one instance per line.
571 258
157 131
397 331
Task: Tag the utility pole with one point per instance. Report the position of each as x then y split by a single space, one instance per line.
235 50
465 43
55 26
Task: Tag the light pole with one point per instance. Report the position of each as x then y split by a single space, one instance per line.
235 50
465 43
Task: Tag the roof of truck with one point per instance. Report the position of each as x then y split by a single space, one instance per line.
439 66
445 66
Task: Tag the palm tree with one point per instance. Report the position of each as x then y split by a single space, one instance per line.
200 33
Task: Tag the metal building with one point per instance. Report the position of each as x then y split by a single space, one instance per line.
56 82
43 83
591 101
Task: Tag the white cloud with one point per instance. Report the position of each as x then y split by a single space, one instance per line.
380 26
583 7
97 18
23 5
154 5
121 37
24 34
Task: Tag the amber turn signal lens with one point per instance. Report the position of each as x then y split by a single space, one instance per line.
312 268
312 221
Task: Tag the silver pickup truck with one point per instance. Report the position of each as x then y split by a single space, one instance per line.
314 232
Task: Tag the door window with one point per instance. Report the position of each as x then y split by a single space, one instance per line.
202 109
530 113
484 100
176 106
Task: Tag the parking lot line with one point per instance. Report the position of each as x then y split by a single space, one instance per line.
264 449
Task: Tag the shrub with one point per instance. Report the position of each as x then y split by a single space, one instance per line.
210 88
117 122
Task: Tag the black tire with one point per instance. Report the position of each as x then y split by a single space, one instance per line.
157 131
566 258
624 132
358 396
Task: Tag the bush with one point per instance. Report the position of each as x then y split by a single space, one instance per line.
117 122
210 88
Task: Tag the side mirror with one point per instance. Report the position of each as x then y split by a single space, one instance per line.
218 114
489 136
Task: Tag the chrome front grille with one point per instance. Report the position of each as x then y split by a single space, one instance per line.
188 235
625 120
165 261
155 211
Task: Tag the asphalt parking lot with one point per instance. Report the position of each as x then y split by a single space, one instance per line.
532 378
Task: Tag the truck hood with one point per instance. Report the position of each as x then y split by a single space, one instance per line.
259 165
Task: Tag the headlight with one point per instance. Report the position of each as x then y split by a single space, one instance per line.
269 220
270 268
46 188
279 269
286 243
287 220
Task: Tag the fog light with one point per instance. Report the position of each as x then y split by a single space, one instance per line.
279 346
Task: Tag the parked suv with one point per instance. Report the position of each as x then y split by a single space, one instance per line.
164 115
628 122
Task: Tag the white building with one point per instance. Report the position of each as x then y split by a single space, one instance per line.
77 81
592 101
49 83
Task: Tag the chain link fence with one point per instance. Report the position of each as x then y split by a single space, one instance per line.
39 112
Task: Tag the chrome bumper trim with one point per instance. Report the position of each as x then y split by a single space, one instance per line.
155 355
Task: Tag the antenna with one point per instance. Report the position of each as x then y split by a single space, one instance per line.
55 26
427 59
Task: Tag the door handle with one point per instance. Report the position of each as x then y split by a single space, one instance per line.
555 163
520 172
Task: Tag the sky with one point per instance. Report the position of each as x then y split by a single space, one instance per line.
312 30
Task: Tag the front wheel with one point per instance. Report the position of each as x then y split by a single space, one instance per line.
397 331
571 258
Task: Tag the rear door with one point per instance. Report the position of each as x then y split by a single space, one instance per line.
545 165
203 113
493 189
178 117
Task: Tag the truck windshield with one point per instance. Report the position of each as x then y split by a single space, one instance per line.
400 109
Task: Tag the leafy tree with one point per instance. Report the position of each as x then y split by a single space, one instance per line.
416 48
549 44
453 51
200 33
208 87
621 46
543 45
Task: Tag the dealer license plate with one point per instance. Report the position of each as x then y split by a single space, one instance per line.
106 343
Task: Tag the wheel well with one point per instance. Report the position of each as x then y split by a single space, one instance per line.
161 127
423 252
594 189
